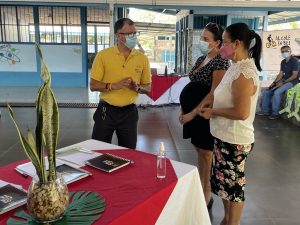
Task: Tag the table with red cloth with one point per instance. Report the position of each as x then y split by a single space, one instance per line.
133 194
164 90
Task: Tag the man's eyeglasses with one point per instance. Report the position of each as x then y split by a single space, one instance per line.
130 35
288 51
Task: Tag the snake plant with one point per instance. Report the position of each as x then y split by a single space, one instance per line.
44 141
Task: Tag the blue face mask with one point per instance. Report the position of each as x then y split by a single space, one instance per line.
204 47
131 42
285 55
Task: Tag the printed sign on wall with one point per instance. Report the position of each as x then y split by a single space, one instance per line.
17 58
273 41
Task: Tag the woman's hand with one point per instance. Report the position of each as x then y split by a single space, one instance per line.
188 117
207 102
206 113
185 118
180 116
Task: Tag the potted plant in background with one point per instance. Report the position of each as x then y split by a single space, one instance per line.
48 194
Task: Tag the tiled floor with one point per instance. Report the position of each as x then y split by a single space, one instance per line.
273 174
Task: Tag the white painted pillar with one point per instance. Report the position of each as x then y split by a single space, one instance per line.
111 24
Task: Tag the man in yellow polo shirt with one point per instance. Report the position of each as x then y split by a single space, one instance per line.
119 73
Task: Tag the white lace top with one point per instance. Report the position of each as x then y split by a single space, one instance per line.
228 130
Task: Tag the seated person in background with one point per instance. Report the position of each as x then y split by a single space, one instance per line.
287 78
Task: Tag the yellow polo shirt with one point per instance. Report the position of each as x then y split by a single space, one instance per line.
110 66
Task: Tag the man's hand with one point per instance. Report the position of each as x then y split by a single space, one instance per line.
279 84
124 83
272 85
133 85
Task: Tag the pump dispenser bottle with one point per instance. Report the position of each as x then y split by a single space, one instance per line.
161 162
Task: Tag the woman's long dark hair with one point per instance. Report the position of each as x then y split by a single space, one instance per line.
241 32
216 30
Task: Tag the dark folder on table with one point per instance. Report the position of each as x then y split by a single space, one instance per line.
11 197
108 162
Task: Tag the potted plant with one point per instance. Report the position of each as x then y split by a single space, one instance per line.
48 194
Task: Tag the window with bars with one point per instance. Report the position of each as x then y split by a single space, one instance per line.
59 24
167 56
98 29
16 24
97 15
98 37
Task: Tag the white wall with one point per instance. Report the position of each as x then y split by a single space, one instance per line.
63 58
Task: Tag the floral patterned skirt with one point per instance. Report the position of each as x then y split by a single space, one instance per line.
228 177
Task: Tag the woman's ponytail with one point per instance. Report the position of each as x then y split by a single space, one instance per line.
255 48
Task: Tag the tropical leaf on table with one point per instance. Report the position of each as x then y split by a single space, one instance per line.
83 209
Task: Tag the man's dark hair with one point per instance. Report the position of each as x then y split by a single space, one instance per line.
285 46
120 23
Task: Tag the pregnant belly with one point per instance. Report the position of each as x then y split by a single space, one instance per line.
192 94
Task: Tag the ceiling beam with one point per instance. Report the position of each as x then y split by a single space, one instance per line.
279 21
155 27
180 4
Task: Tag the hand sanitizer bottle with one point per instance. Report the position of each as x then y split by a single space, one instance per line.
161 162
166 70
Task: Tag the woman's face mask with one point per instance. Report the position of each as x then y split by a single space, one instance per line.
226 52
204 47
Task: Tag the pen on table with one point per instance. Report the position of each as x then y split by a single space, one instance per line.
22 173
85 150
79 149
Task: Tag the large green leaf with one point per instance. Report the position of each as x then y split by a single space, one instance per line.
31 153
48 115
84 209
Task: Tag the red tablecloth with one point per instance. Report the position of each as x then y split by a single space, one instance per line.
133 194
160 84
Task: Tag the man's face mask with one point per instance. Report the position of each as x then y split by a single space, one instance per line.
285 54
131 42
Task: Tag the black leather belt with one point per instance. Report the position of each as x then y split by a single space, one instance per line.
103 103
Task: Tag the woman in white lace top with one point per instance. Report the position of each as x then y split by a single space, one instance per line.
232 114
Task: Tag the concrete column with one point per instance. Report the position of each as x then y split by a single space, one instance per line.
111 24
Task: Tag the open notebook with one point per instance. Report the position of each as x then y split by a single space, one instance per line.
108 162
70 173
